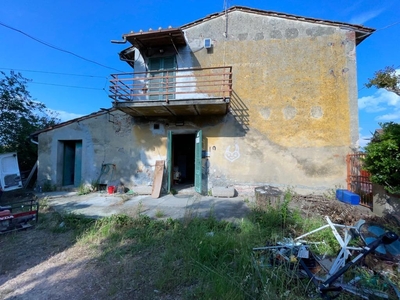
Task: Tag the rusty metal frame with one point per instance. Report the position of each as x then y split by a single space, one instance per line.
214 83
358 179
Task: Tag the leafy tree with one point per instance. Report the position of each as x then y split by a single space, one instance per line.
20 116
387 79
382 158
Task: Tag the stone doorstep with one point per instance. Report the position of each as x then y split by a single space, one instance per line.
223 192
142 189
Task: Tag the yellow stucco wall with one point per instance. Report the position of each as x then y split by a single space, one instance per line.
296 91
292 119
292 103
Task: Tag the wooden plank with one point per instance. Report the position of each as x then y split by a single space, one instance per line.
30 175
158 176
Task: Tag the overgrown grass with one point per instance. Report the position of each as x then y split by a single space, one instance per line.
193 258
49 187
159 213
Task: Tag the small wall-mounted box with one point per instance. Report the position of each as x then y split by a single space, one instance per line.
205 154
207 43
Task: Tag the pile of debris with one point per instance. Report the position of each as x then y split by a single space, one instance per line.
312 205
338 212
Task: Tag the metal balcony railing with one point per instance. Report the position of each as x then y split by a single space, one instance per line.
169 85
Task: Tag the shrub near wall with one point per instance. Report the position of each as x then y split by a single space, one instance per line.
382 157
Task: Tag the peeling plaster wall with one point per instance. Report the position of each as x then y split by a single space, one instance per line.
293 112
132 146
292 120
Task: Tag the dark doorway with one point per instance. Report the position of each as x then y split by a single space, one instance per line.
72 162
183 159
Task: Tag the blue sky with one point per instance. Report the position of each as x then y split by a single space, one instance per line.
86 27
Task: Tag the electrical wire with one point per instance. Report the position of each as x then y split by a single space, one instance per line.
376 31
398 22
57 48
56 73
64 85
67 74
379 29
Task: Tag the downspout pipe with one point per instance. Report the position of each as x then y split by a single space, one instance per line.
119 42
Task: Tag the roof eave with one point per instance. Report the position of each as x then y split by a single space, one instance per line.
62 124
362 32
155 38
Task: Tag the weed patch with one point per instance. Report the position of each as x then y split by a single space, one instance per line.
193 258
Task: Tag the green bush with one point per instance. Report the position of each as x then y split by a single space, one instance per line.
382 158
49 187
84 189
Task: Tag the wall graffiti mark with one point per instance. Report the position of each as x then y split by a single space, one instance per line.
232 155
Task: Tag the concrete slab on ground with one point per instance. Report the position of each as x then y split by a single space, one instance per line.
97 205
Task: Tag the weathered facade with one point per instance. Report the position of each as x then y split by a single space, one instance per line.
241 98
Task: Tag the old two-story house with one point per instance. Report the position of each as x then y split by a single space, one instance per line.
240 98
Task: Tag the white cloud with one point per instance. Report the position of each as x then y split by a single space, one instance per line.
381 100
66 116
365 16
363 140
389 117
355 5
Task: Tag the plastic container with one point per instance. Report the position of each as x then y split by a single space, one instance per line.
347 197
339 194
111 189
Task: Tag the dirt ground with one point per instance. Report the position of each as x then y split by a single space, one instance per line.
337 211
39 264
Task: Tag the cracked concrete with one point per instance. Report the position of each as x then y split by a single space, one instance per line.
97 205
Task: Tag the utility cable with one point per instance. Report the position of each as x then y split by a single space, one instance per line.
71 86
389 26
67 74
57 48
56 73
379 29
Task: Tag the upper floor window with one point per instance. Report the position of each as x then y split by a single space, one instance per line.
162 78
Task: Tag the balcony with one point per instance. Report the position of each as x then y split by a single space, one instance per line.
177 92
